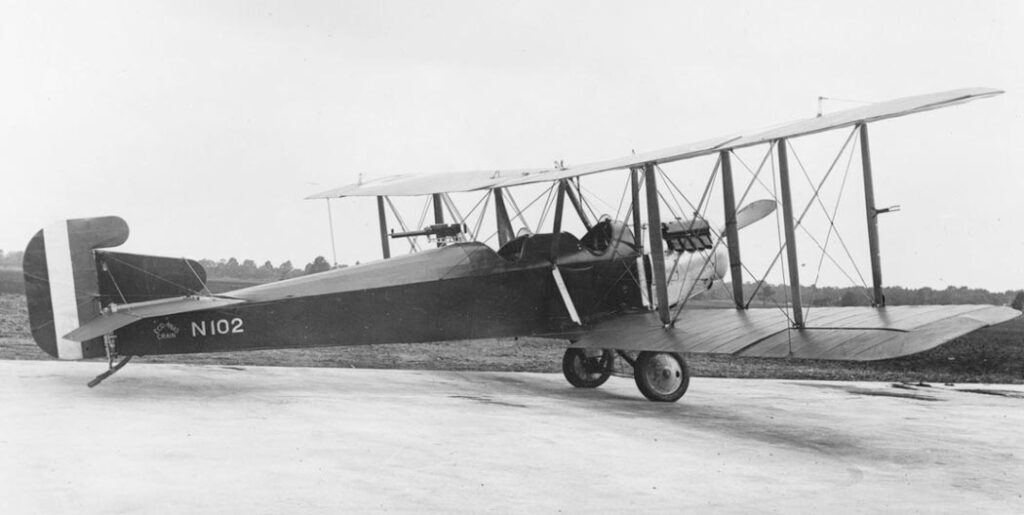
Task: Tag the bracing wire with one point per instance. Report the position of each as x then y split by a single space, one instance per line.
755 176
519 212
483 212
413 246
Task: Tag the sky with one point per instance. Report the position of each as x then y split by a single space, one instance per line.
205 124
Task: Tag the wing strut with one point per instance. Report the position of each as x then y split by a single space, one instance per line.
634 209
385 247
559 204
657 249
578 205
438 214
872 215
505 233
519 212
787 222
731 232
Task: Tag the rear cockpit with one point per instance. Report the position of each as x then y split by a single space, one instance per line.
606 238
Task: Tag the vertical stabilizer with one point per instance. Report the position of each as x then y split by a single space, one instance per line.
62 283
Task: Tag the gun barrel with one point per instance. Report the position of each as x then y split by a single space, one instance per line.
436 230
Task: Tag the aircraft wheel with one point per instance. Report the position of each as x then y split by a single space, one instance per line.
587 368
661 376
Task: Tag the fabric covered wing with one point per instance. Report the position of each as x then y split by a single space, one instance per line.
853 333
425 184
865 114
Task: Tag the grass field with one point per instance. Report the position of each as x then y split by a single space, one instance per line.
992 355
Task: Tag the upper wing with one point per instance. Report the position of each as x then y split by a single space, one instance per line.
425 184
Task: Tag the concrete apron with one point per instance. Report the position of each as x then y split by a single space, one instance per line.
213 439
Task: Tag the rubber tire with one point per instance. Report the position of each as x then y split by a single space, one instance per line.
569 360
643 362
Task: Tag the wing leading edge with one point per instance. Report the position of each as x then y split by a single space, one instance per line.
849 334
425 184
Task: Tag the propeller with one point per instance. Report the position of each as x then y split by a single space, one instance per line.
752 212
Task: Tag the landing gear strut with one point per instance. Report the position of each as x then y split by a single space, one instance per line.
587 368
661 376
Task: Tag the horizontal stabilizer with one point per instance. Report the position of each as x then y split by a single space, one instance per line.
131 313
849 334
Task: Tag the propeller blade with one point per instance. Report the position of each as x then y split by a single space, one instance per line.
751 213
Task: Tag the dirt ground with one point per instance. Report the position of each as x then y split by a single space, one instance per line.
991 355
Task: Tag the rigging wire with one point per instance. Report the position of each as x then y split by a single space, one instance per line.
816 198
584 202
710 185
151 274
483 212
116 286
756 175
401 223
472 210
534 201
202 281
626 223
672 183
330 225
547 205
841 241
426 208
622 198
519 212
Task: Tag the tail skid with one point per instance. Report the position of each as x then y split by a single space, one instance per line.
112 368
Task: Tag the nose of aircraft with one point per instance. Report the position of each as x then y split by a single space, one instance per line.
688 275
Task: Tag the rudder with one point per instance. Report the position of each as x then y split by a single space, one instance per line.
62 284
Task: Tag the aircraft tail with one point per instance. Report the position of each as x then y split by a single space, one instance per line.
68 282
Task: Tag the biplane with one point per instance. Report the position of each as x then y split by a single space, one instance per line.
616 293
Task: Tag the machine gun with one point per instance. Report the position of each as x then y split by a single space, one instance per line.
443 233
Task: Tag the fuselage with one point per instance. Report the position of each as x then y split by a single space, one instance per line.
457 292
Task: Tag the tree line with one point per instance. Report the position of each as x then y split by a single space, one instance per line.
777 294
766 295
230 268
248 271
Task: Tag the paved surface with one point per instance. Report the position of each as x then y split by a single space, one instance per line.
208 439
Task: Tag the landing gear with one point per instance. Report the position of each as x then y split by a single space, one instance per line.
661 376
587 368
